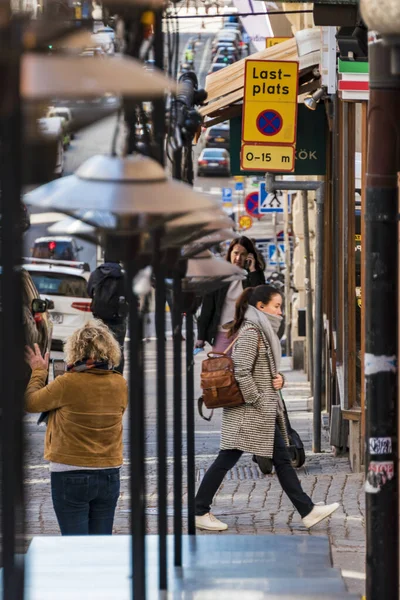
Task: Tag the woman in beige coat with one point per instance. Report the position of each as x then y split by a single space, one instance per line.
258 425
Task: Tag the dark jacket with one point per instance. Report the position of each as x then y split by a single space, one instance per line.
108 268
211 310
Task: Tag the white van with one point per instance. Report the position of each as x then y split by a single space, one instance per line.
53 127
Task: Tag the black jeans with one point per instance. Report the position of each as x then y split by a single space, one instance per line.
85 501
119 332
227 459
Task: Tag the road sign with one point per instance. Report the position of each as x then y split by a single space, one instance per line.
273 254
259 157
272 41
270 203
239 186
270 101
251 205
226 194
245 222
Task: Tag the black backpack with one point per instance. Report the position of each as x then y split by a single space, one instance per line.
109 297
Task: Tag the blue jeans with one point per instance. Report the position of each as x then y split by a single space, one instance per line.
85 501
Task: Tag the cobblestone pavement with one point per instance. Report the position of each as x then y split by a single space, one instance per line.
248 501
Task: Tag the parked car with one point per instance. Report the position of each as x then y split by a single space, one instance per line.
64 113
56 248
223 51
66 287
217 67
52 128
232 49
218 136
214 161
105 39
230 25
38 326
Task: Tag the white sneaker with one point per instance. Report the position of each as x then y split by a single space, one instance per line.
211 523
319 513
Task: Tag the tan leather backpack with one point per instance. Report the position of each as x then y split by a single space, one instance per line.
217 379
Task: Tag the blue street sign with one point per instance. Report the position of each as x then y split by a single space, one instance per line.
226 194
271 203
273 255
239 187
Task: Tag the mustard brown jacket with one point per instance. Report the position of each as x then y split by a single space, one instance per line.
85 422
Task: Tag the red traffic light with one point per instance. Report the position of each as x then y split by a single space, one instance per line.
52 246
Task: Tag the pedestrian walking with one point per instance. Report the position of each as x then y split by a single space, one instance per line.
218 308
106 287
84 433
258 425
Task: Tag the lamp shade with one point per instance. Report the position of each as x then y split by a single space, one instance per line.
49 75
194 248
134 185
210 266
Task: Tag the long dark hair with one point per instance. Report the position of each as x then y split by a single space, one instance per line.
250 297
250 246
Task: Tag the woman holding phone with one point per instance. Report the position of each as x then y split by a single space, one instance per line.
218 309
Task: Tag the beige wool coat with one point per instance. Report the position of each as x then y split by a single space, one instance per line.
250 427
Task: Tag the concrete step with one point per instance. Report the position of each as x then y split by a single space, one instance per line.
234 567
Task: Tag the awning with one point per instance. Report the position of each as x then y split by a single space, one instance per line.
225 88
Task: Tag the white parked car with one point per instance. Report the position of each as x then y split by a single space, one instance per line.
105 38
66 286
53 128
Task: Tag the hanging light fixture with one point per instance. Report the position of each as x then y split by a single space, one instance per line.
135 185
68 75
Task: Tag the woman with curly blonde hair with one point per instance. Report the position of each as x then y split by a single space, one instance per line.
84 433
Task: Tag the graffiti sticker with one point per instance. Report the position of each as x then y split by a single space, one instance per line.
380 445
378 474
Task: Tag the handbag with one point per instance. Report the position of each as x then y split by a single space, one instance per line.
217 380
296 446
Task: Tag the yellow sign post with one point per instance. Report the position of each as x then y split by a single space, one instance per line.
273 41
245 222
270 102
260 157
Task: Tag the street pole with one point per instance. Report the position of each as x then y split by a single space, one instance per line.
318 348
381 315
308 289
287 230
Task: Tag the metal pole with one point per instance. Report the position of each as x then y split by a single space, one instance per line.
308 289
11 328
381 317
288 323
319 330
177 418
278 257
190 437
159 105
137 437
159 274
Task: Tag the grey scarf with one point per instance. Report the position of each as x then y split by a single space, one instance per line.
269 325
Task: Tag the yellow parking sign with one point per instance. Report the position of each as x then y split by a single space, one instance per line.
270 102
